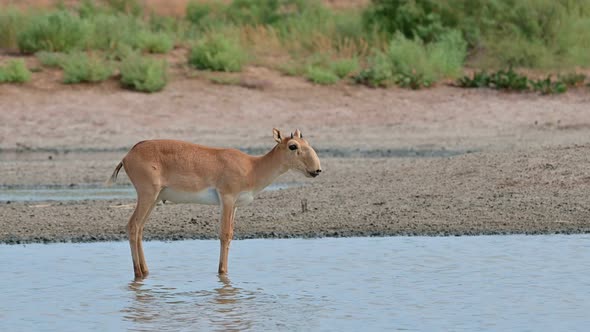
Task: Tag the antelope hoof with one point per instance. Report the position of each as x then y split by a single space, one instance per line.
139 275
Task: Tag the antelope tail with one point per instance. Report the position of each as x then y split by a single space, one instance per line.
113 177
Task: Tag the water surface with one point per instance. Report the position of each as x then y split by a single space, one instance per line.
93 192
517 283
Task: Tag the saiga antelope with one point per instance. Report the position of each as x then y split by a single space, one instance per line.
183 172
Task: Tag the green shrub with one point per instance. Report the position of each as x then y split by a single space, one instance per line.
513 81
207 14
175 28
143 74
218 53
110 31
412 64
410 61
480 79
527 33
155 42
254 12
308 31
15 71
245 12
413 19
89 8
347 24
509 80
548 86
265 12
58 31
50 59
83 68
344 67
130 7
501 79
121 52
448 54
321 75
379 73
11 22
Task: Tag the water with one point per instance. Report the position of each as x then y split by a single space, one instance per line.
74 193
516 283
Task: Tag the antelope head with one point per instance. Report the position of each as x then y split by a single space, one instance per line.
297 154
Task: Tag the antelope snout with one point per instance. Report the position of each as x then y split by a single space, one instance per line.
315 173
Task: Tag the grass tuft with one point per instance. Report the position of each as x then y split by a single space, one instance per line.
15 71
58 31
510 80
11 22
155 42
412 64
83 68
344 67
218 53
50 59
143 74
321 75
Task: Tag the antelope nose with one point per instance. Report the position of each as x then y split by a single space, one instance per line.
318 171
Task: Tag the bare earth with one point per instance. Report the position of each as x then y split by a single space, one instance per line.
442 161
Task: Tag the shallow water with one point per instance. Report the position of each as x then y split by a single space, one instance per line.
536 283
74 193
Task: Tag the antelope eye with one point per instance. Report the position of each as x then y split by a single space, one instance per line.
292 147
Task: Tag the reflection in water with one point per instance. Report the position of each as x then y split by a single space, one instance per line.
225 307
229 302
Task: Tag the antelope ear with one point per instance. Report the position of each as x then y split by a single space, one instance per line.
297 133
276 134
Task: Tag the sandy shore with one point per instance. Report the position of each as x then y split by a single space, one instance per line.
443 161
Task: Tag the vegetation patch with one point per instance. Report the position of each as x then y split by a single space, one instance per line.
412 44
50 59
143 74
11 22
218 53
344 67
510 80
155 42
321 75
502 33
15 71
83 68
110 31
411 63
58 31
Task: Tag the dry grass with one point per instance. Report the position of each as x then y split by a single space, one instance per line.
263 41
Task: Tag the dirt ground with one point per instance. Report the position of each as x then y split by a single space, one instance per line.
441 161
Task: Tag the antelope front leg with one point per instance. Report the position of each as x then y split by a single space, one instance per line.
226 232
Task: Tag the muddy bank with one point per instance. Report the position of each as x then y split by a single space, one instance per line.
539 191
